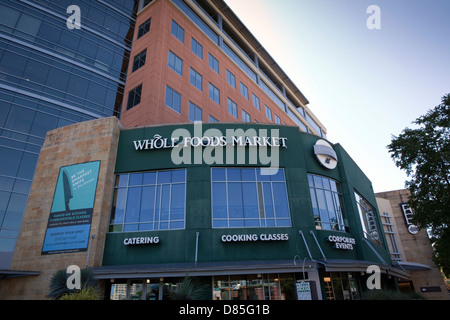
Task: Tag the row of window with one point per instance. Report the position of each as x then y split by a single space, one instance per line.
173 98
243 48
240 198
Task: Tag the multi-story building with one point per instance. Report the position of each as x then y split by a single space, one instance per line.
51 76
196 61
110 195
410 248
190 61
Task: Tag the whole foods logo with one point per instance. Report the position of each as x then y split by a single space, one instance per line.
325 154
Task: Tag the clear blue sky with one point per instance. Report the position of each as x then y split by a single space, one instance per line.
363 85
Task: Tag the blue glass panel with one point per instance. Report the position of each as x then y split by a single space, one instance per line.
147 204
177 202
235 205
218 174
119 209
237 223
10 161
250 198
27 166
164 177
149 178
122 180
280 200
135 179
165 203
234 174
268 202
219 200
248 174
4 199
13 215
176 225
262 177
178 176
146 227
220 224
279 176
131 227
133 205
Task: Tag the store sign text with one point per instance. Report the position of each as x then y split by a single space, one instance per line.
254 237
158 142
140 240
214 147
342 243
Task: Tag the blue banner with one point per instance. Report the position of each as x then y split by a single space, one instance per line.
69 223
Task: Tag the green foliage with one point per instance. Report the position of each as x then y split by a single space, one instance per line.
88 293
391 295
424 154
58 283
189 289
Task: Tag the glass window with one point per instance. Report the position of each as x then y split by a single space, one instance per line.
245 117
175 63
139 60
213 63
177 31
214 94
327 202
277 119
256 101
195 113
173 99
149 201
232 108
231 79
268 113
144 28
244 91
134 97
212 119
369 219
196 79
197 48
246 197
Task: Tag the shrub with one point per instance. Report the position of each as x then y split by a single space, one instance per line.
391 295
58 283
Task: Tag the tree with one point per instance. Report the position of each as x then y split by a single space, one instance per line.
424 153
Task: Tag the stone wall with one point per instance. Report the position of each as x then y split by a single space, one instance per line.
416 249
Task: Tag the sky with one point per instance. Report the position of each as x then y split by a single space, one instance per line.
364 85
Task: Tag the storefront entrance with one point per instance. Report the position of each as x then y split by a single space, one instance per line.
342 286
273 286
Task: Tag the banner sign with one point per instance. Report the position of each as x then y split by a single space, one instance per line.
69 223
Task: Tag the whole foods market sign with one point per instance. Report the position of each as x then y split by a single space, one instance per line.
213 147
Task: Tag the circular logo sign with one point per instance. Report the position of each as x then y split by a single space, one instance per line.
413 229
325 154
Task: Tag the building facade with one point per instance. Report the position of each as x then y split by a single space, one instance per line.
252 211
184 61
410 247
196 61
52 75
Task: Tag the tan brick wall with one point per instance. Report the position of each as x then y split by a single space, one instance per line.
82 142
416 248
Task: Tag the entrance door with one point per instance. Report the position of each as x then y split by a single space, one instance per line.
341 286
